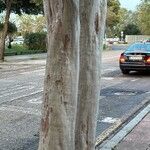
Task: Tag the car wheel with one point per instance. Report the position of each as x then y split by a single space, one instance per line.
124 71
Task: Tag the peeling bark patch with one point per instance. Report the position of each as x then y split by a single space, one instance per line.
48 77
45 124
58 82
66 41
60 26
97 23
83 128
45 101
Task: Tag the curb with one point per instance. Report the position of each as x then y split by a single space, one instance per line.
112 129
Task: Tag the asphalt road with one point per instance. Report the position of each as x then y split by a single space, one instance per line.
21 86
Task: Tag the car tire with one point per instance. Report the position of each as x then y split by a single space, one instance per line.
124 71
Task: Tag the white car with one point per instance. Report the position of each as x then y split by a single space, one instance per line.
18 40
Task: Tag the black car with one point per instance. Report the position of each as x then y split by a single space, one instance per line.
135 58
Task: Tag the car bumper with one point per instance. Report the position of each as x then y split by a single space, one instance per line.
134 67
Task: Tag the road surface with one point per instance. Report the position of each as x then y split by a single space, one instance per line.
21 90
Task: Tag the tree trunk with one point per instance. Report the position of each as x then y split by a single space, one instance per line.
61 79
92 19
4 32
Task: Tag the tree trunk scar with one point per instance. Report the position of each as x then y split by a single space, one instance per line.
60 26
66 42
45 123
96 23
59 82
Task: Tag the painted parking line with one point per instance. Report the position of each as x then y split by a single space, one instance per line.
109 70
109 120
134 80
107 78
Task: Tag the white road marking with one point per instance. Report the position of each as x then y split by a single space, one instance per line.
40 71
20 109
26 95
6 81
109 120
16 90
147 92
11 87
35 100
125 93
111 69
110 58
134 80
107 78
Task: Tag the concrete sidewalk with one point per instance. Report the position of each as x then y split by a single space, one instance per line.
133 136
138 138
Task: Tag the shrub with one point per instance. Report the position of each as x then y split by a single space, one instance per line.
35 41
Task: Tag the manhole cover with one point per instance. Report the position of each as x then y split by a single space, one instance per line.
125 93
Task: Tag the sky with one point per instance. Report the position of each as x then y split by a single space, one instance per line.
129 4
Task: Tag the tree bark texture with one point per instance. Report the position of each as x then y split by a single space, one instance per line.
4 32
92 20
61 79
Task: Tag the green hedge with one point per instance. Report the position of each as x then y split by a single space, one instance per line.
36 41
19 49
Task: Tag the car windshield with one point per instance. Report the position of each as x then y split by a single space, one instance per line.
139 47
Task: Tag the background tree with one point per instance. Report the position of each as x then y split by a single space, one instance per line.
1 28
11 30
126 17
131 29
18 7
143 17
31 23
112 17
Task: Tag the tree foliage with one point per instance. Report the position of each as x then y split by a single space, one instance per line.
143 17
36 41
22 6
131 29
1 26
17 7
31 23
112 17
11 27
112 13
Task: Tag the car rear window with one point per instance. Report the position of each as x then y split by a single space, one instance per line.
139 47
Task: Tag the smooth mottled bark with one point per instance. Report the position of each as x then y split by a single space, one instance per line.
61 79
4 31
92 20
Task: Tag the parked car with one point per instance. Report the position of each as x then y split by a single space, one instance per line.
18 40
135 58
